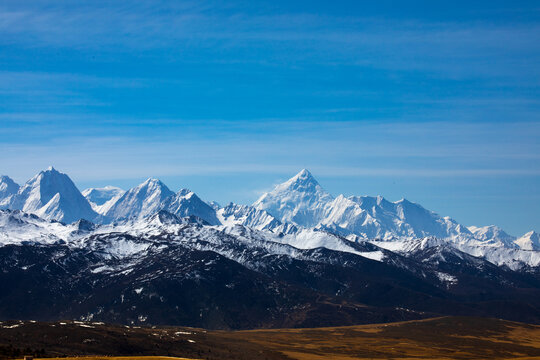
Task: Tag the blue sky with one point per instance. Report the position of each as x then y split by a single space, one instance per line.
436 102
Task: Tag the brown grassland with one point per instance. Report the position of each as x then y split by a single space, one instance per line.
438 338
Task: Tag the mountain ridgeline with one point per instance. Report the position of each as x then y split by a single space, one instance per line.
297 257
298 202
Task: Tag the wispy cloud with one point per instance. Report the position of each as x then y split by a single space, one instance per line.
362 41
391 137
347 149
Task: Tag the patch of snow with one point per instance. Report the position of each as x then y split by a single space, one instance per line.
11 326
447 278
373 255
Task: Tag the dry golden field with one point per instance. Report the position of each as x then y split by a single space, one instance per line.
114 358
439 338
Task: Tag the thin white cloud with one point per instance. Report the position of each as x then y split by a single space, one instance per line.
397 44
347 149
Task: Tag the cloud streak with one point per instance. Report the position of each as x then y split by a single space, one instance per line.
347 149
359 41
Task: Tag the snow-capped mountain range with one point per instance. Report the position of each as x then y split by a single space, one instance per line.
297 257
302 201
299 210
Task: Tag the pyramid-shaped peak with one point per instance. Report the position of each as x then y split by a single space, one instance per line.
529 241
50 171
50 177
7 186
49 174
303 183
4 179
303 179
530 235
304 173
299 200
140 201
154 183
53 195
152 180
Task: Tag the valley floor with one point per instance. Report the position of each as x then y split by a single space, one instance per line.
438 338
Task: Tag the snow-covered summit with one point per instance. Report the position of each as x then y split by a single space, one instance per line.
376 217
492 233
8 187
152 196
529 241
300 200
52 195
186 203
142 200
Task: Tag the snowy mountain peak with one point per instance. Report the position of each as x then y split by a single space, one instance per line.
140 201
152 182
52 195
302 201
492 233
304 174
152 185
299 200
529 241
48 182
4 179
8 187
303 181
49 172
186 203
